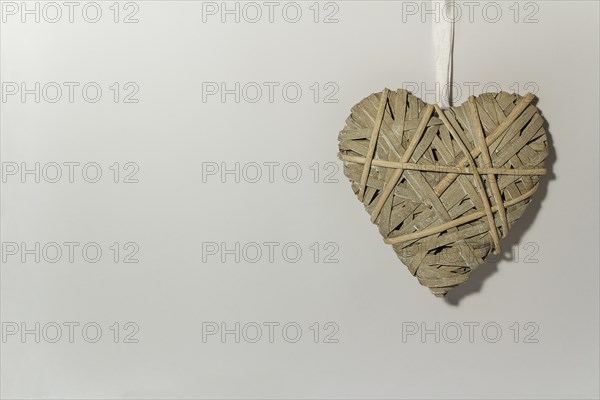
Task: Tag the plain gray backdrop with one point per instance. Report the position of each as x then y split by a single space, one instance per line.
198 175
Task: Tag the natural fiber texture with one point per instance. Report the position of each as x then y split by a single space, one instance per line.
444 186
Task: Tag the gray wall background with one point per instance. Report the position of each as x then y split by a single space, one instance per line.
534 312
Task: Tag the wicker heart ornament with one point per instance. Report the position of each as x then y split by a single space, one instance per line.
443 186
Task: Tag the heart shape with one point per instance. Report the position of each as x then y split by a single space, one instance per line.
444 186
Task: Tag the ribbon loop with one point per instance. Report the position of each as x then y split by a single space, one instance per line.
443 45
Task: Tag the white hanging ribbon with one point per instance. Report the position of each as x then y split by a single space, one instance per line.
443 46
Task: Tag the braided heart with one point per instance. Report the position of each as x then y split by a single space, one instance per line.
444 186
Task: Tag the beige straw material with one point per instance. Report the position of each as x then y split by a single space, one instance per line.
444 186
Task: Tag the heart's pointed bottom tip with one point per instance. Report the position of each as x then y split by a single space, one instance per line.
441 291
